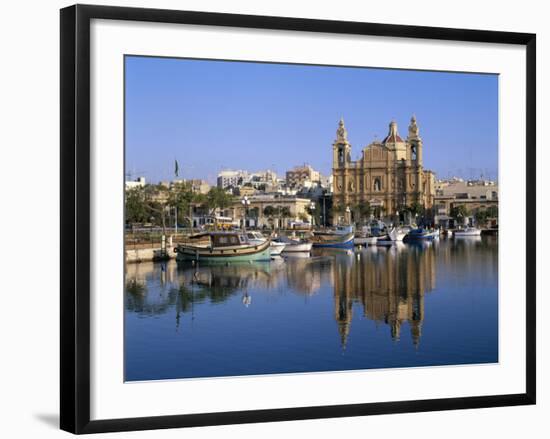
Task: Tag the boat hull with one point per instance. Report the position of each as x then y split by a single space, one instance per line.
298 248
261 252
371 240
419 236
277 248
334 241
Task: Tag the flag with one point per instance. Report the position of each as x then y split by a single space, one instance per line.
176 168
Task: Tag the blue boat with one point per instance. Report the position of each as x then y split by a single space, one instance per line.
419 234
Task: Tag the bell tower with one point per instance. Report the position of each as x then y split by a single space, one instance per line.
415 142
341 148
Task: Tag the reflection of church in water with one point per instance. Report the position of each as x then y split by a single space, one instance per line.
390 286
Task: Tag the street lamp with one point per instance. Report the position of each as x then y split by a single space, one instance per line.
348 216
245 202
398 219
312 209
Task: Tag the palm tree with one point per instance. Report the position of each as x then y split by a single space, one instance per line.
284 212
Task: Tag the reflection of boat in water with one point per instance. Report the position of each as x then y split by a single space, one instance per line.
294 245
222 247
385 241
341 237
365 240
257 238
467 241
297 255
467 231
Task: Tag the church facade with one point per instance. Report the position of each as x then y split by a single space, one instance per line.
389 175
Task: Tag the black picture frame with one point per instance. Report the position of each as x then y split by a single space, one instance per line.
75 217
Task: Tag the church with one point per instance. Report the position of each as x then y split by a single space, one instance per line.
389 175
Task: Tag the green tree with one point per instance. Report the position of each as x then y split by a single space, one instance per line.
283 213
218 198
135 207
181 198
459 211
492 212
480 216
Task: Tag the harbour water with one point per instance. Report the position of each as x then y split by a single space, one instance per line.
426 304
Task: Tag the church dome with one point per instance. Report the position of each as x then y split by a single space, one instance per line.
393 135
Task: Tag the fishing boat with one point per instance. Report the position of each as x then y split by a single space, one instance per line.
365 237
419 234
257 238
222 247
397 234
341 237
467 231
294 245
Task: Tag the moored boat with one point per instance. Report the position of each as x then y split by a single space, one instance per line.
341 237
419 234
257 238
222 247
397 234
294 245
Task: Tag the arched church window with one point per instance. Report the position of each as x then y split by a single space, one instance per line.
340 155
377 184
413 152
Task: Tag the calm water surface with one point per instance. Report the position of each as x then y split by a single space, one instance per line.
410 305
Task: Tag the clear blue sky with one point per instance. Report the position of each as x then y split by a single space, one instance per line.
213 115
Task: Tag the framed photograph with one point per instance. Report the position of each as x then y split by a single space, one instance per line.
268 219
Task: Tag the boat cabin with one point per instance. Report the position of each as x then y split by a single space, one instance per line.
255 236
220 239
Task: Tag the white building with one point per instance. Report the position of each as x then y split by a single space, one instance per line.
138 182
229 178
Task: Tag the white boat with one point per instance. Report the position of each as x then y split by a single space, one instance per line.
397 234
257 238
365 240
294 245
340 237
467 231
